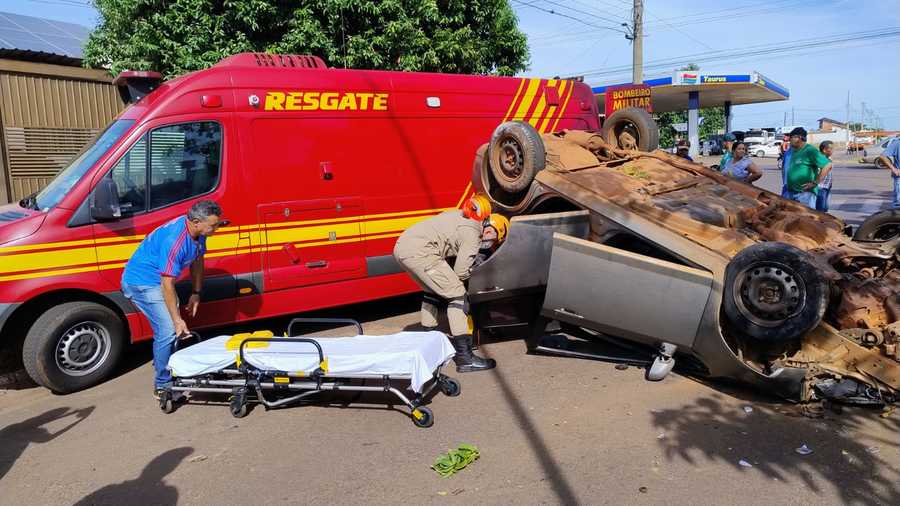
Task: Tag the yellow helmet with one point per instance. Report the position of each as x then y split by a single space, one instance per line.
477 208
501 225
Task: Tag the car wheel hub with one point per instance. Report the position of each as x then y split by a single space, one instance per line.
82 349
769 293
511 159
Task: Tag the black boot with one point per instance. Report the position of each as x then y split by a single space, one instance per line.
465 360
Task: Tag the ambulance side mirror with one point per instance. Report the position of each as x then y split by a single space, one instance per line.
105 201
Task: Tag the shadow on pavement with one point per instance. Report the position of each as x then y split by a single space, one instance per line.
16 438
148 488
844 454
555 474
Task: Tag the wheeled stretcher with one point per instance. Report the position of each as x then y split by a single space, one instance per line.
277 371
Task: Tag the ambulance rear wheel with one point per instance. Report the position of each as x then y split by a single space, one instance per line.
631 128
73 346
515 155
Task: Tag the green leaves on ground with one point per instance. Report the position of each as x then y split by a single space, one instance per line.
454 460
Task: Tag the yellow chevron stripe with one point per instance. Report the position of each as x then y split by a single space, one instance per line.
513 102
527 99
548 118
463 197
562 109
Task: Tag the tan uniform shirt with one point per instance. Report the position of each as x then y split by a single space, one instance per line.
445 235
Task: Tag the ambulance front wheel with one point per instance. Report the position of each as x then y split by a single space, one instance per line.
73 346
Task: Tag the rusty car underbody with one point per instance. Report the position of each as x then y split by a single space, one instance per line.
701 219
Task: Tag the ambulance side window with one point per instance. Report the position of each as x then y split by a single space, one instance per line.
130 175
184 161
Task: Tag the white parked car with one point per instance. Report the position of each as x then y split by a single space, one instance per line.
873 152
770 149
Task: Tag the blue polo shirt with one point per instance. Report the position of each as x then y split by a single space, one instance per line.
167 251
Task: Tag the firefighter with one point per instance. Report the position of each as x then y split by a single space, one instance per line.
423 250
493 236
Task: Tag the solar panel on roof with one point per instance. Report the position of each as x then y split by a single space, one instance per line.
31 33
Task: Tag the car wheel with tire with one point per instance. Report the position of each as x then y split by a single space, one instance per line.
879 163
631 128
761 154
515 155
879 227
774 293
73 346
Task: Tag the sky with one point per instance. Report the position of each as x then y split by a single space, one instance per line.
584 37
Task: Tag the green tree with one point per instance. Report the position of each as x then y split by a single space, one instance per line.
178 36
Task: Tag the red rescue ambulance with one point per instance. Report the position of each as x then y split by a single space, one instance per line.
317 169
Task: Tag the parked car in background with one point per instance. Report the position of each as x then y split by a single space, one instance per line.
711 147
769 149
871 154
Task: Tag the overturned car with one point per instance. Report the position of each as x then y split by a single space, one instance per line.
669 261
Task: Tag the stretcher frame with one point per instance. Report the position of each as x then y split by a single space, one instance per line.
247 384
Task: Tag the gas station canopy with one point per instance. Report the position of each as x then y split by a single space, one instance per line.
671 94
691 90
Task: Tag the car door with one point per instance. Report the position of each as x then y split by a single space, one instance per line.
506 291
167 169
625 294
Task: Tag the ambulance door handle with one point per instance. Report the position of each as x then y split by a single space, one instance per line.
317 264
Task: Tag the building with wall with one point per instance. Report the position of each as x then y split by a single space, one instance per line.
50 106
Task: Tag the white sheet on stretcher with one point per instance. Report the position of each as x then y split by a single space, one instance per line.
413 355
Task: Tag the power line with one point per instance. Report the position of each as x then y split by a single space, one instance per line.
679 30
613 21
758 50
692 19
551 11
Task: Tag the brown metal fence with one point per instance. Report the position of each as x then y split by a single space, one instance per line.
46 121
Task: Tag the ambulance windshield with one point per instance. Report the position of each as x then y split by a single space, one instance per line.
54 192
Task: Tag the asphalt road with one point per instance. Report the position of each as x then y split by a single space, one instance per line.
550 430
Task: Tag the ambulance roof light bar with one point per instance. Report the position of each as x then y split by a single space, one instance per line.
134 85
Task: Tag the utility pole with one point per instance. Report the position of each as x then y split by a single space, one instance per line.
637 43
848 117
793 118
784 122
862 114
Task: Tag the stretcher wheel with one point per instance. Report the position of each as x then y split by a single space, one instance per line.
450 387
238 409
167 405
422 417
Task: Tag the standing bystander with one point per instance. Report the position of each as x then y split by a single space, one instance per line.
891 158
806 170
827 149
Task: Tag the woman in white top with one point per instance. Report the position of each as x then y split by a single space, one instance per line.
740 166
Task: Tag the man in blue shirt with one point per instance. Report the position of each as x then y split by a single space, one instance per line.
891 157
149 278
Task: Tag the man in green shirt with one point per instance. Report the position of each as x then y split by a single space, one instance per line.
808 167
